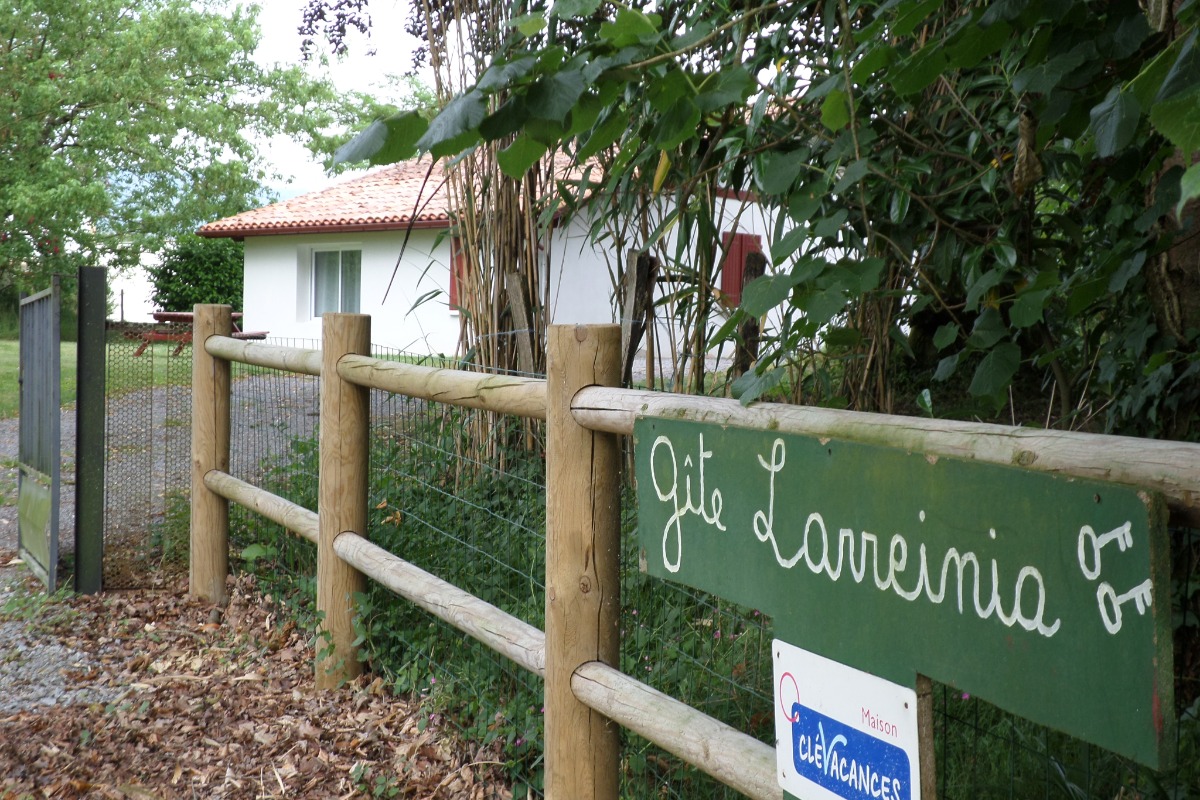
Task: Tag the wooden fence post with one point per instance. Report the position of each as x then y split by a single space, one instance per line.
209 563
342 496
926 751
583 592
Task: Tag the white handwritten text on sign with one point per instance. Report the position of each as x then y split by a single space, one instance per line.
977 575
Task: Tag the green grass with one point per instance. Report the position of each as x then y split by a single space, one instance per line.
10 372
155 367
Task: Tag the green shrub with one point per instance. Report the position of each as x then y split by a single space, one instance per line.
198 270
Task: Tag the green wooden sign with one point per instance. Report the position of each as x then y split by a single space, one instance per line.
1044 595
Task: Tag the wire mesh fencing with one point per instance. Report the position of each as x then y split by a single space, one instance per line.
147 454
461 493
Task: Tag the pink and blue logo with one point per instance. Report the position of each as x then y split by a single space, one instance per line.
844 760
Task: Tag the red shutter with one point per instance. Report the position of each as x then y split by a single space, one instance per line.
736 246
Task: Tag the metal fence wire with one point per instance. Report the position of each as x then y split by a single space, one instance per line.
148 408
462 494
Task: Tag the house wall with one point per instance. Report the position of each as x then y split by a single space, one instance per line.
278 287
278 282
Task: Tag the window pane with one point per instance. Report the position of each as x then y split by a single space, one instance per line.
351 282
325 282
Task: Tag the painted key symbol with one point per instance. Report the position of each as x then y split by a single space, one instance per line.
1140 595
1121 536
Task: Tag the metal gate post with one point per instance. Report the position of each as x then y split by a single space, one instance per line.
89 431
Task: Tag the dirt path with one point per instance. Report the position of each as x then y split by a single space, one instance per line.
188 700
149 694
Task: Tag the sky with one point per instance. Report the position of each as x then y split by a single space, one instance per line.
364 68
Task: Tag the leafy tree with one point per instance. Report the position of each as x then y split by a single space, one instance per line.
972 197
198 270
126 122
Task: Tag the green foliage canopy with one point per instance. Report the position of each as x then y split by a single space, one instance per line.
994 193
126 122
198 270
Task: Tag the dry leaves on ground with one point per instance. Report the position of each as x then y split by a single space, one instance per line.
223 706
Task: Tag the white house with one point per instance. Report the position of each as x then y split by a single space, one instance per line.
339 249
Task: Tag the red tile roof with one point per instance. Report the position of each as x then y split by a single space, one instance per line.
389 198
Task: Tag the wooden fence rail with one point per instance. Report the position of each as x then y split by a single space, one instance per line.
585 693
1167 467
590 694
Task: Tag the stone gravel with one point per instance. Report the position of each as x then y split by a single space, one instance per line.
38 669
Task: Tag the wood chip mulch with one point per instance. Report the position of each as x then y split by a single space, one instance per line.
220 703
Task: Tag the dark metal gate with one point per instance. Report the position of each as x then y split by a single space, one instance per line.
39 449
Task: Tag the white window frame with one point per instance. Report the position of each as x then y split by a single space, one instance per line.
312 276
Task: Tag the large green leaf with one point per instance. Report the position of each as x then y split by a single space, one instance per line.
1029 308
981 285
516 159
677 124
1184 74
553 98
852 174
728 87
783 247
919 70
873 60
751 386
996 370
1130 34
608 132
1043 77
835 110
456 128
945 335
631 27
911 14
821 306
989 328
1189 187
574 8
777 171
762 294
828 226
1086 293
1178 119
498 76
863 276
529 24
1114 121
977 43
506 120
385 141
946 367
